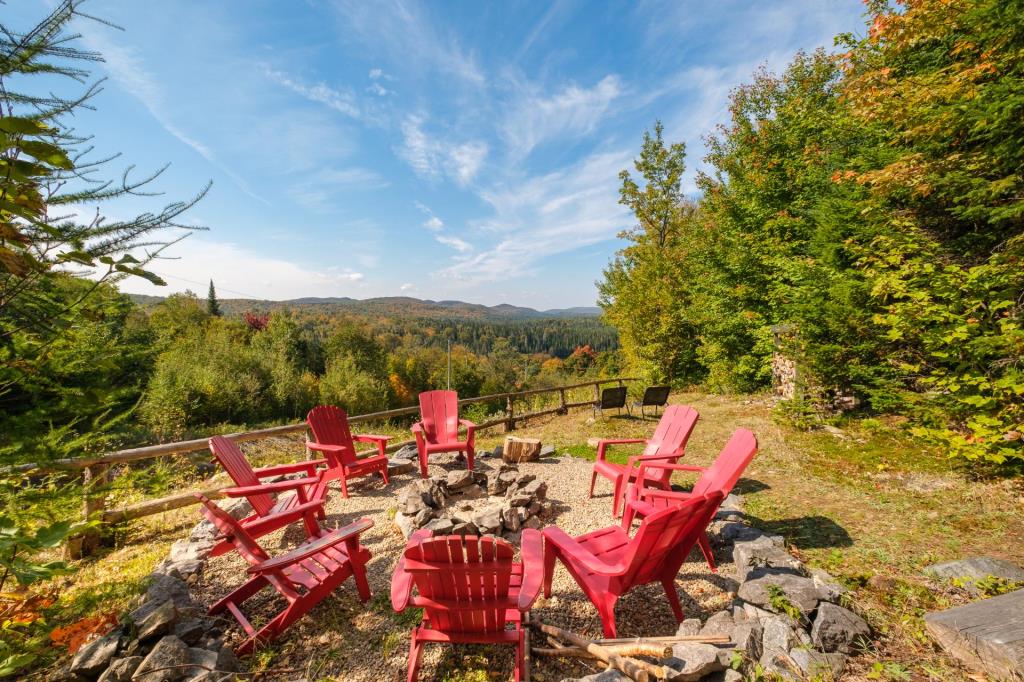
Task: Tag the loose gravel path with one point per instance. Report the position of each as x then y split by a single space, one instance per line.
344 639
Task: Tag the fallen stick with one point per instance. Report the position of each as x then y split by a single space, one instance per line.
703 639
640 671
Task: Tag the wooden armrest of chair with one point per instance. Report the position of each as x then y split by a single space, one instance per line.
275 487
531 550
568 546
401 580
309 466
308 549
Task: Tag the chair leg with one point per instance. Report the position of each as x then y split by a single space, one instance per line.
415 656
362 586
627 517
384 474
423 465
673 597
617 497
549 571
705 548
606 609
593 479
469 457
344 487
520 657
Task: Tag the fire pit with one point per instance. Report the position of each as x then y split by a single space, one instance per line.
502 502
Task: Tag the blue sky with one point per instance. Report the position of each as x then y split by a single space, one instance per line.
443 150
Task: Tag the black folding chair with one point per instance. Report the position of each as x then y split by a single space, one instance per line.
612 398
654 396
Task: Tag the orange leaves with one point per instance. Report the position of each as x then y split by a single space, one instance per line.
23 608
75 635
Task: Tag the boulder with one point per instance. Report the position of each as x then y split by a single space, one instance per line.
693 660
689 627
459 479
761 553
830 589
168 653
534 523
158 622
441 526
524 479
736 531
510 518
473 492
720 623
973 569
406 452
121 669
411 502
488 520
93 657
746 639
838 629
398 466
237 508
603 676
423 517
816 665
466 528
780 634
986 635
192 630
797 590
205 662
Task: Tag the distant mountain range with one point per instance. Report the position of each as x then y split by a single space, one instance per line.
395 305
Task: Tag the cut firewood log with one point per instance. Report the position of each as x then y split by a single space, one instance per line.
640 671
517 450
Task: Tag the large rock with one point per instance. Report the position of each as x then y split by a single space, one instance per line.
472 492
441 526
164 661
398 466
689 627
158 622
510 518
830 589
838 629
761 553
973 569
459 478
694 660
603 676
93 657
780 634
406 452
488 520
987 635
405 524
797 590
205 663
412 502
818 666
121 669
720 623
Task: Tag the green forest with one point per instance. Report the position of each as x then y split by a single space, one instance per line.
866 207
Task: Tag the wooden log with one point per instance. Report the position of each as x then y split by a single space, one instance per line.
670 639
517 450
640 671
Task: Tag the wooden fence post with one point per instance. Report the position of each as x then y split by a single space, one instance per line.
94 477
597 392
510 421
562 409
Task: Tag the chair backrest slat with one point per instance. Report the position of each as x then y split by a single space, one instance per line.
664 535
241 472
727 468
673 430
474 571
439 412
229 527
330 426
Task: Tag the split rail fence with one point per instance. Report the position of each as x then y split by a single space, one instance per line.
96 470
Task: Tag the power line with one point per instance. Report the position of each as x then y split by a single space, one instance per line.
203 284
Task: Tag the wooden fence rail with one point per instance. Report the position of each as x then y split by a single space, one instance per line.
96 470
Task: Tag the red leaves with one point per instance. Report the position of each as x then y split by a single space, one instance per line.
73 636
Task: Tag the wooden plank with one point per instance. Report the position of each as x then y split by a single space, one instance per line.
987 635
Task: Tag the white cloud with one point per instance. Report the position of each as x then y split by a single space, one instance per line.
562 211
454 242
430 158
320 190
378 89
433 223
376 73
126 67
571 112
342 102
408 286
232 269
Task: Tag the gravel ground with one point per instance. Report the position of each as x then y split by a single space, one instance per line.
346 640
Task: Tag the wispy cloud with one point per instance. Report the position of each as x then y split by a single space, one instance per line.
404 33
546 215
433 223
431 158
319 190
343 102
126 66
458 244
572 112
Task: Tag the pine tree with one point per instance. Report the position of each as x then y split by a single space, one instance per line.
212 305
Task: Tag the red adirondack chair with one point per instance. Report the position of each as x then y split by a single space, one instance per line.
268 505
721 477
607 563
668 441
333 438
470 589
438 428
303 576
